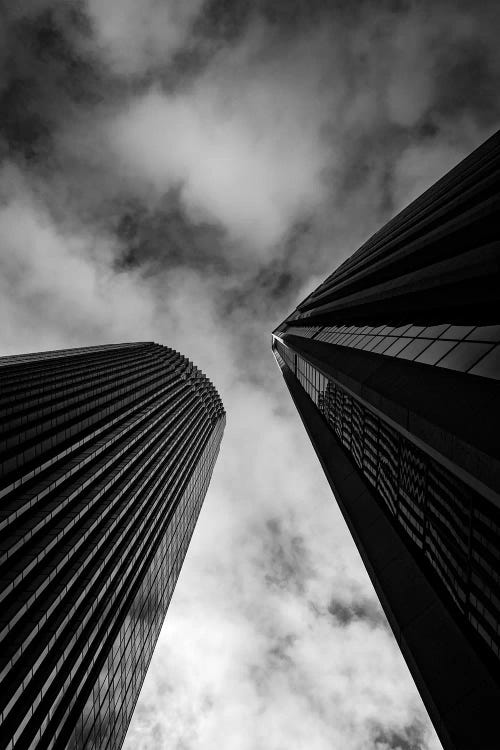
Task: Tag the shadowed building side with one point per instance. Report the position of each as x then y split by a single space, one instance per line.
393 363
106 454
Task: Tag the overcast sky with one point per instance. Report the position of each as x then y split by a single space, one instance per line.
185 172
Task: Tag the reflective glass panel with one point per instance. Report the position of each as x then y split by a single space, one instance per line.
432 332
456 332
396 346
361 341
414 330
356 340
414 348
372 344
485 333
399 331
336 338
367 340
348 341
383 345
489 366
342 338
435 351
463 356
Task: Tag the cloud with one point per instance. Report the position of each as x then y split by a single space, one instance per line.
425 161
242 143
61 285
357 609
58 286
133 37
279 132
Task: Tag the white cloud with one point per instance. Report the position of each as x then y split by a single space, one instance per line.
58 286
421 164
135 36
243 142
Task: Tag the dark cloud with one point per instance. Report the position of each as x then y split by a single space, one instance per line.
467 74
45 76
23 129
155 238
367 610
411 738
279 653
223 21
287 563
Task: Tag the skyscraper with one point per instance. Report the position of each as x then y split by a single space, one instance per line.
105 458
393 363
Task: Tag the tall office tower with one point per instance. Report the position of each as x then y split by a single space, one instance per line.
105 458
393 363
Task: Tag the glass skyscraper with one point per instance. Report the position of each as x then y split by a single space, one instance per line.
105 458
393 363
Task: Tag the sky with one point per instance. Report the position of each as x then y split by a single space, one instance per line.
186 172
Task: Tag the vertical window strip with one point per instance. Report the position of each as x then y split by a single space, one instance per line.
453 527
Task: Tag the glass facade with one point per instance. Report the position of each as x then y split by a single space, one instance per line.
472 349
453 528
393 363
106 454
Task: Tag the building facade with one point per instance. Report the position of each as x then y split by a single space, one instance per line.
105 458
393 363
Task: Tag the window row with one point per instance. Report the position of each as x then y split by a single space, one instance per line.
472 349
